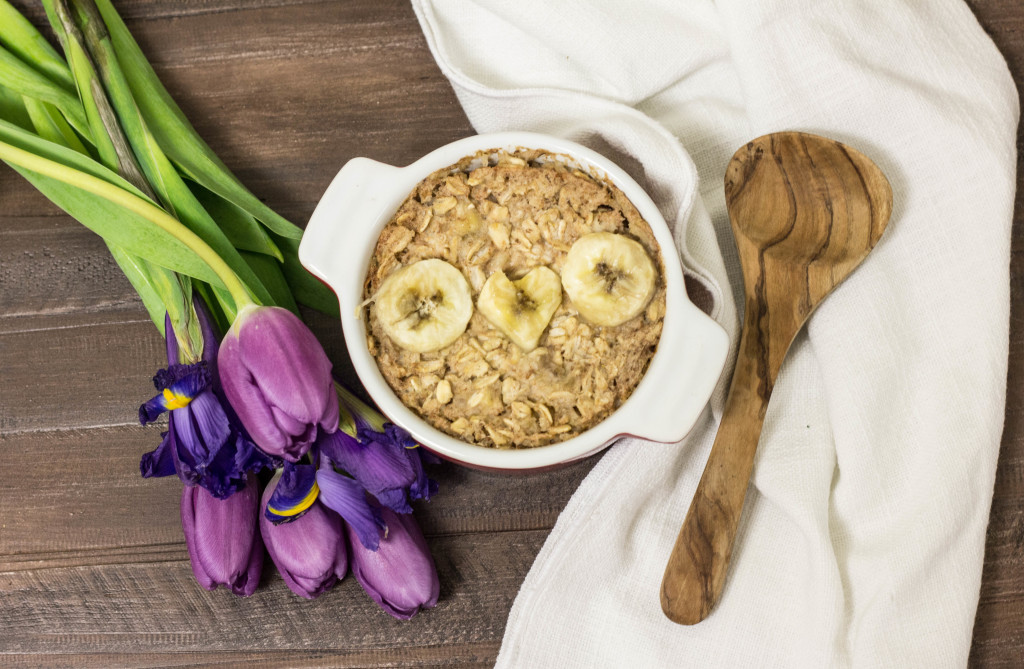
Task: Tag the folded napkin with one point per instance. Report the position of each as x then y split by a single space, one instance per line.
863 533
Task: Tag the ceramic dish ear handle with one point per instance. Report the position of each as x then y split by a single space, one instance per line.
673 398
343 223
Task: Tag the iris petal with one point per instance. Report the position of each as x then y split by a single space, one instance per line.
376 465
348 499
295 493
152 409
395 499
210 420
160 461
191 448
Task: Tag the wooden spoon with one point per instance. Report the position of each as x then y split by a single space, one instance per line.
805 211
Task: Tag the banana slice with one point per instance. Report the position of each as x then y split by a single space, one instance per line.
609 278
425 306
521 309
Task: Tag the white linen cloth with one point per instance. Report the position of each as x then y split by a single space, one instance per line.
863 533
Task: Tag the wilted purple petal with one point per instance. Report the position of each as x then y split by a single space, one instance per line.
396 499
380 468
400 575
160 461
152 409
345 496
249 458
223 538
310 552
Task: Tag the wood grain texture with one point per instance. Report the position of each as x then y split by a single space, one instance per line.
81 536
117 606
805 211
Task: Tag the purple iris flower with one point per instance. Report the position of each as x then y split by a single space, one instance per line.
387 461
309 551
278 378
299 488
400 575
223 538
347 497
205 444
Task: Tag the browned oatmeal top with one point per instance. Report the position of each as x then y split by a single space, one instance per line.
513 212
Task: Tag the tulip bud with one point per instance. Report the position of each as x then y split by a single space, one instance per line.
400 575
309 552
223 538
278 379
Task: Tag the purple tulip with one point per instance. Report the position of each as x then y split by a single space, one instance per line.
278 379
400 575
309 551
223 538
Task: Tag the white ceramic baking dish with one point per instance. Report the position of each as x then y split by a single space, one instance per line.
340 239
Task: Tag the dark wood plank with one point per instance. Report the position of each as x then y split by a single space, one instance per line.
77 377
83 486
464 656
57 271
157 607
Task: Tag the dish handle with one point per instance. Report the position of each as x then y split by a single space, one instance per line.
682 387
346 219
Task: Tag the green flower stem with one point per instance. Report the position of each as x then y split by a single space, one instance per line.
133 203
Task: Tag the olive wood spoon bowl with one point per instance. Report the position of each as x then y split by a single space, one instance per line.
805 211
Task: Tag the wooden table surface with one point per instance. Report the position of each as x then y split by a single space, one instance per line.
93 568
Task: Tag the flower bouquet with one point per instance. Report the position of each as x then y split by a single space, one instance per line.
272 451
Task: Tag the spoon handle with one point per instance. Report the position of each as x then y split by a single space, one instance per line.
696 569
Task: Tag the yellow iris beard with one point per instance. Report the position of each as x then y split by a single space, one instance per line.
174 400
304 504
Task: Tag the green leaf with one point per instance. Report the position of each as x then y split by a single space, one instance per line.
176 135
220 318
26 81
159 172
29 141
270 274
308 290
23 40
12 109
121 227
244 231
89 89
51 125
117 225
161 290
175 292
165 293
135 269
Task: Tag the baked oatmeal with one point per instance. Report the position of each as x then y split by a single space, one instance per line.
514 301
